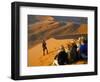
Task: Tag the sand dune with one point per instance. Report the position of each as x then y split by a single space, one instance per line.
36 58
54 30
56 34
82 29
44 18
35 54
38 31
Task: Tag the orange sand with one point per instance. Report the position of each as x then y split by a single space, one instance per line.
35 54
36 57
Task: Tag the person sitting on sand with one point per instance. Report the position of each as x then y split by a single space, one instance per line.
44 46
68 50
83 48
73 52
62 57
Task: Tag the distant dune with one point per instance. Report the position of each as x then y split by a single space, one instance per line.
39 30
82 29
52 29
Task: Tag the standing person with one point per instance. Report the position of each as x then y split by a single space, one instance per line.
44 46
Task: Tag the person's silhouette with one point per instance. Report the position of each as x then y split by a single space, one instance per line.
44 46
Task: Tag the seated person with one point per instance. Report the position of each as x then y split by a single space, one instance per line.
62 57
83 49
73 52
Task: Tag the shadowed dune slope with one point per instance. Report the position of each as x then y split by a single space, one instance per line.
48 27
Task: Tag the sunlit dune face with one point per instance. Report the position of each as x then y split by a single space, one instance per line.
35 54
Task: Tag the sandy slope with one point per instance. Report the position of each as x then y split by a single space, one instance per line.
35 56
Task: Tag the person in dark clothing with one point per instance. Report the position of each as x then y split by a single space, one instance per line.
83 49
74 53
62 57
44 46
